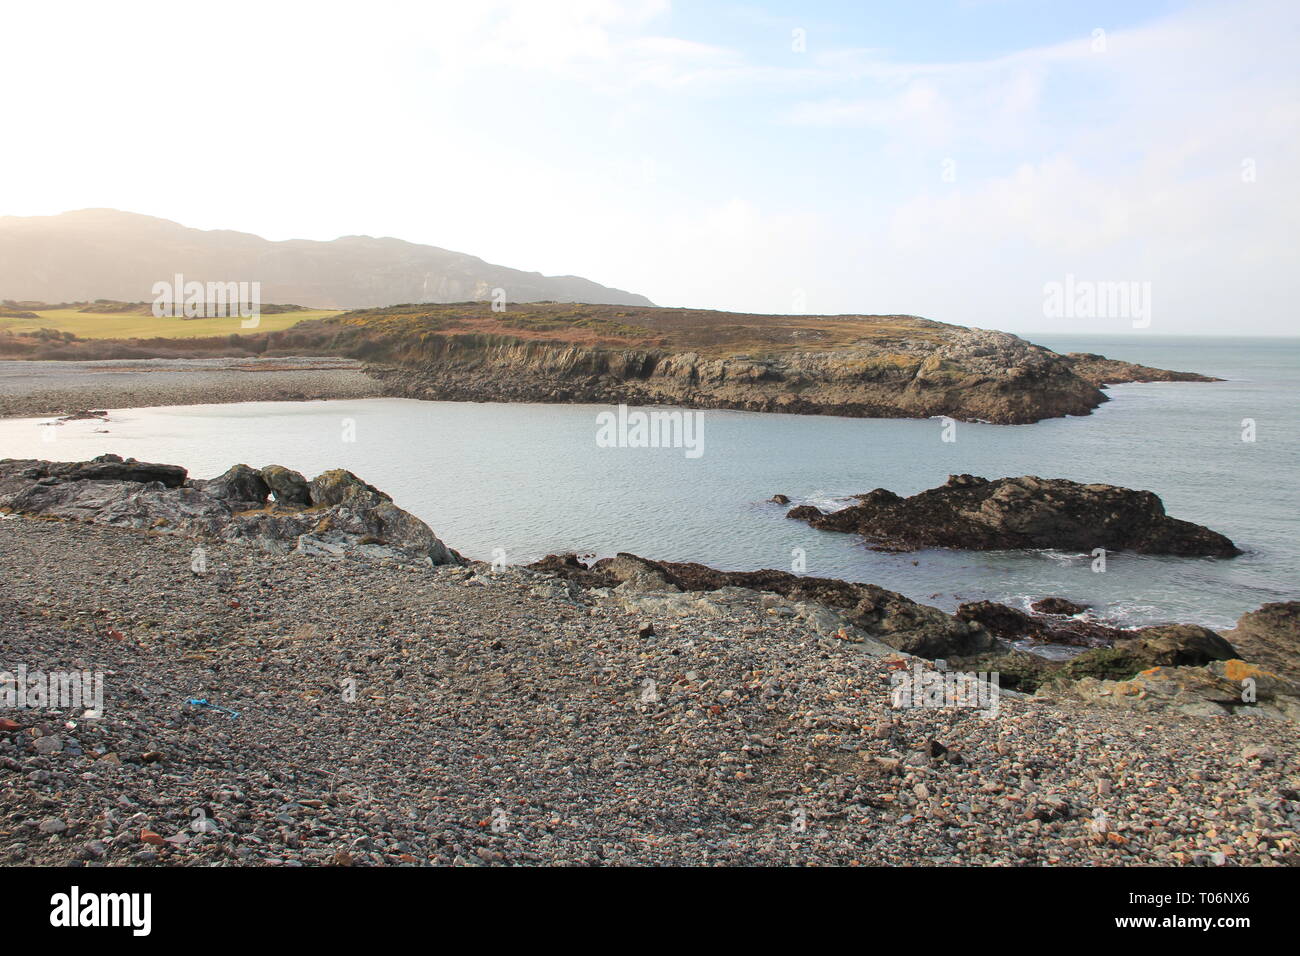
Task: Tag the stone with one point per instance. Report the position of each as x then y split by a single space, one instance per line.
48 744
239 483
1056 605
289 487
1261 752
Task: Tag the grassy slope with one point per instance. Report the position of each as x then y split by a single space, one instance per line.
674 330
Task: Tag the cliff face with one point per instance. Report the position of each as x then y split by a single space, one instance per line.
967 374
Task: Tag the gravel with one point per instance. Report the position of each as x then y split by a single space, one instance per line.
397 716
34 388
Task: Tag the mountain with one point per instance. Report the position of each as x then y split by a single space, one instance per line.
107 254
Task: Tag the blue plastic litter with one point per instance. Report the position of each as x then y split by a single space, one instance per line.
205 703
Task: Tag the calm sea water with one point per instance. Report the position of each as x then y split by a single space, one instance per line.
530 479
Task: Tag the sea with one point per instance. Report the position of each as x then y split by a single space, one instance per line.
515 482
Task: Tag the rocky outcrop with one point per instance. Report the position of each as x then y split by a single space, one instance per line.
1101 371
1271 636
336 515
1163 645
860 611
103 468
977 514
1179 667
1218 689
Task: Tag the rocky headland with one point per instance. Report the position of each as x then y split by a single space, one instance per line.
869 366
397 705
972 513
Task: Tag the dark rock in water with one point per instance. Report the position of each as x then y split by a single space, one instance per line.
1271 636
780 499
1103 371
238 483
344 518
1011 624
1021 513
884 615
1056 605
289 487
999 619
85 414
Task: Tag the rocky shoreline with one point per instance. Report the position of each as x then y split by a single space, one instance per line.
399 706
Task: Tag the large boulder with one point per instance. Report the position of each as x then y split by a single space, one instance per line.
289 487
1021 513
339 486
239 483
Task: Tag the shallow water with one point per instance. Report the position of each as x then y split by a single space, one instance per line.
531 480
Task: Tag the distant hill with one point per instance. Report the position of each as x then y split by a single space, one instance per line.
103 253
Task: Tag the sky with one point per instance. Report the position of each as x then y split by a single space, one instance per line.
954 160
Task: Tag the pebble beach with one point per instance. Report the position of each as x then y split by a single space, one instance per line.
394 715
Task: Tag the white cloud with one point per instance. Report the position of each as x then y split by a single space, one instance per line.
402 118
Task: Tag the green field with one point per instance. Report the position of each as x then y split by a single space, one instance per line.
132 325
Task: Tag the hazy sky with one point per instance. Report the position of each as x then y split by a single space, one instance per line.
942 159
